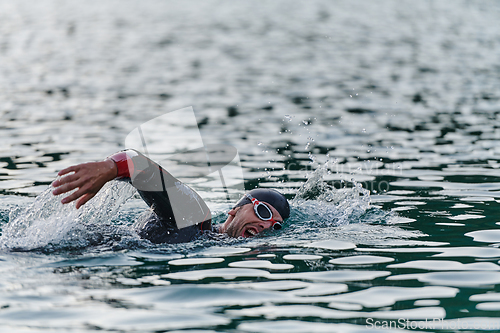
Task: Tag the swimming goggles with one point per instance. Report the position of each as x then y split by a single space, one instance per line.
263 212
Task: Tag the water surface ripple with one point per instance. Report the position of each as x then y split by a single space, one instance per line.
380 119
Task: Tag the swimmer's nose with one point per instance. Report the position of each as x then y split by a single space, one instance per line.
263 225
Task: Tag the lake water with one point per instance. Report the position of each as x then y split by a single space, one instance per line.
379 120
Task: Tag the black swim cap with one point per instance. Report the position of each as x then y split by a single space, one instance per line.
272 197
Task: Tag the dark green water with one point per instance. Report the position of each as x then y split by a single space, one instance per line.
383 117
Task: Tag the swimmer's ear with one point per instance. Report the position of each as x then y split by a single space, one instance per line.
233 211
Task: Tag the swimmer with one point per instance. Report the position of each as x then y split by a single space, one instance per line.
170 200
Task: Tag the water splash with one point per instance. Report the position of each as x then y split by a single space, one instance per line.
47 222
322 212
335 206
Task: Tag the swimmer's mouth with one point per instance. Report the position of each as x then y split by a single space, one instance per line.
250 232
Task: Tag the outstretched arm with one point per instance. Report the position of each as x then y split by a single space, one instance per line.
172 201
89 178
176 205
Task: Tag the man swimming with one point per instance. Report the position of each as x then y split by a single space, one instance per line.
173 204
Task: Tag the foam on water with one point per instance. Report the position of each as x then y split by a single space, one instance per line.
318 209
322 212
343 205
46 222
410 113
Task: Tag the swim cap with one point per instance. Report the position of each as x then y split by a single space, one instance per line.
272 197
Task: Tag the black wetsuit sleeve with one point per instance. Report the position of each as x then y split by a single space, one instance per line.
178 214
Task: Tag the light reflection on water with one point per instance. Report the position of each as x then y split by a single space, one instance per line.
399 97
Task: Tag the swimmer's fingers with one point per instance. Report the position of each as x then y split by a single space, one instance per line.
88 178
67 185
65 180
73 168
84 198
82 191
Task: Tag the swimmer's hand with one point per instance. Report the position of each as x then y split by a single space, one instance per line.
89 178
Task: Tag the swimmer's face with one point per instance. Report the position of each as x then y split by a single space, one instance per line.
243 222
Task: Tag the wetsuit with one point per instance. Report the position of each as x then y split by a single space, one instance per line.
178 213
